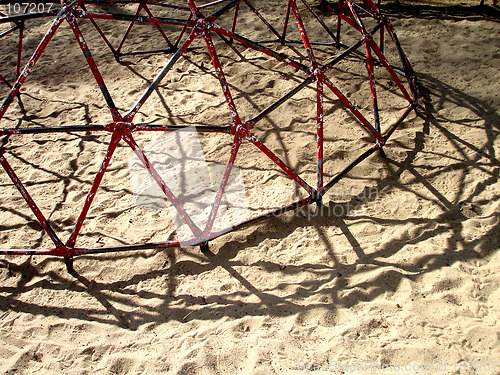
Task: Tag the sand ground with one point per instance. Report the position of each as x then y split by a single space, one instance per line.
404 272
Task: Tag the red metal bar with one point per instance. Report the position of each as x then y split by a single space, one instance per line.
408 70
31 203
190 18
222 186
194 10
351 107
115 139
389 68
375 10
30 64
285 24
341 15
222 78
129 28
303 33
235 18
373 90
93 67
259 47
364 10
123 128
350 22
351 6
261 17
2 78
319 131
289 171
339 21
159 28
127 137
131 17
154 85
20 48
320 21
103 36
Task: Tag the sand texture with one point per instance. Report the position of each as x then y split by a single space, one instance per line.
402 268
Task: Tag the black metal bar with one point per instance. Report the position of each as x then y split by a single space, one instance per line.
326 44
222 10
280 101
258 47
112 249
29 200
27 16
347 169
261 17
56 129
9 31
353 49
277 212
129 17
130 115
343 55
393 127
101 33
285 24
323 24
153 51
123 127
167 128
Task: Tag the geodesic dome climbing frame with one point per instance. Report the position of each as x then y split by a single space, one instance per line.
191 21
